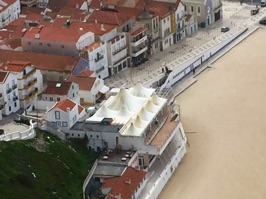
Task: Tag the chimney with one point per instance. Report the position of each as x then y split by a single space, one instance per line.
102 27
77 6
128 181
68 110
95 20
37 36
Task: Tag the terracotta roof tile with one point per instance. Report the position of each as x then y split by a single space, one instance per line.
84 82
15 66
56 5
107 17
3 76
127 184
64 104
73 13
40 61
34 17
74 3
57 88
130 11
95 4
80 109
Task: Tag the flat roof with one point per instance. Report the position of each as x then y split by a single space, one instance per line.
96 127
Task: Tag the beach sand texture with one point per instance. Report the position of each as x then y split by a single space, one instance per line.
224 115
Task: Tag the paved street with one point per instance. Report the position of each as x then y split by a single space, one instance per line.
234 15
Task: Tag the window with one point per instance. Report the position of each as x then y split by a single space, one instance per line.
58 99
198 10
74 118
64 124
49 45
72 86
51 99
185 8
62 46
57 114
15 104
73 94
29 43
91 136
78 135
9 108
24 72
97 136
191 8
40 44
164 21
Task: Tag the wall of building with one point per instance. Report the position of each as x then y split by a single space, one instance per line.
10 13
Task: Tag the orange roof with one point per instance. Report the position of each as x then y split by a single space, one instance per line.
3 76
127 184
15 66
40 61
57 88
130 11
64 104
162 9
138 31
95 4
86 73
34 17
109 182
85 82
80 109
107 17
73 13
74 3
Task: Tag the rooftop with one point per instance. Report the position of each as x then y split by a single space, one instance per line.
15 66
57 88
84 80
64 105
3 76
41 61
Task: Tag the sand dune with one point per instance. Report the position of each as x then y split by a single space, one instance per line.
224 114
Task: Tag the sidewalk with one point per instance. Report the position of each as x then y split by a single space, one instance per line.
234 15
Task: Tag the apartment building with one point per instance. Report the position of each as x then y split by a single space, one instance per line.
9 102
30 82
56 40
9 11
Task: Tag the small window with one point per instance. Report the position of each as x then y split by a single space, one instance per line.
191 9
72 86
49 45
9 108
78 135
73 94
51 99
29 43
57 115
91 136
64 124
15 104
62 46
97 136
199 10
40 44
58 99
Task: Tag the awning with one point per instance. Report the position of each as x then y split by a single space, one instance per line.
104 89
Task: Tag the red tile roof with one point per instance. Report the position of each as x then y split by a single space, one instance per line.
80 109
3 76
136 12
73 13
94 45
64 104
41 61
15 66
95 4
138 31
57 88
34 17
84 80
107 17
127 184
74 3
56 5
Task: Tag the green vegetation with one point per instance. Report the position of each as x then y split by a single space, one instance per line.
44 168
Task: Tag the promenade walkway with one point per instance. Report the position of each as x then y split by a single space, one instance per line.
234 16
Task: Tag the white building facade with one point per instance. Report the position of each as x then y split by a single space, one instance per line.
9 11
9 102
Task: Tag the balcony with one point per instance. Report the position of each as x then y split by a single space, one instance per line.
31 94
29 74
118 51
30 83
99 57
139 52
8 90
139 41
119 60
14 86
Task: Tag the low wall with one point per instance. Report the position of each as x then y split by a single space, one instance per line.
182 66
166 173
53 131
23 135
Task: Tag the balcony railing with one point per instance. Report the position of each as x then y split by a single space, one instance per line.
139 41
139 51
8 90
30 83
119 60
15 98
14 86
29 74
119 50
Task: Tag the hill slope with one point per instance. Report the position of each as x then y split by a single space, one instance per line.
43 168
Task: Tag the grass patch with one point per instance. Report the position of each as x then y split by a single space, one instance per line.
43 168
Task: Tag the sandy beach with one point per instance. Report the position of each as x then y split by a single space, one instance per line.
224 115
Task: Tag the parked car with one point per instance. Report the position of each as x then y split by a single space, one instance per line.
225 29
254 11
263 21
263 3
